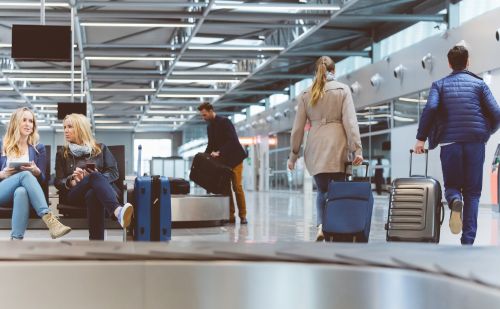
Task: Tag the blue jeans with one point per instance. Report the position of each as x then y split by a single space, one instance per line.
97 194
21 190
322 180
462 165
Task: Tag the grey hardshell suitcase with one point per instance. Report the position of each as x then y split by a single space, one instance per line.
415 208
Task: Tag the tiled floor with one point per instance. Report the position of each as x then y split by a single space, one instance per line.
284 216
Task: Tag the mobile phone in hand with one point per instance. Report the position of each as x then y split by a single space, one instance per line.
90 167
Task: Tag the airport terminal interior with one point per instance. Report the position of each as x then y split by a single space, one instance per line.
139 69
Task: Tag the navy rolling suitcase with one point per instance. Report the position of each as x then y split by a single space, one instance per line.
348 211
152 209
210 174
415 208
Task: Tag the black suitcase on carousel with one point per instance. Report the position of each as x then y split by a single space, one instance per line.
415 208
179 185
211 174
152 209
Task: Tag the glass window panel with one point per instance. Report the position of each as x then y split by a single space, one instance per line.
406 110
472 8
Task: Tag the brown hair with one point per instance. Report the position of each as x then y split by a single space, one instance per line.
323 64
457 57
206 106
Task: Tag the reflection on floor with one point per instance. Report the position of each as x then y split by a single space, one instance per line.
283 216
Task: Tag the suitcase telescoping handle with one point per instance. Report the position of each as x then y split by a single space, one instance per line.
426 151
346 164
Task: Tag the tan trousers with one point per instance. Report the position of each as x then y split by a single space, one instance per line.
237 186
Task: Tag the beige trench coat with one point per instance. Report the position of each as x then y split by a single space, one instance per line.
334 133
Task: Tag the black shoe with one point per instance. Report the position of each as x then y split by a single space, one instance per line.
456 216
243 221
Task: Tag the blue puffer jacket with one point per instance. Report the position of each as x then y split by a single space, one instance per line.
460 108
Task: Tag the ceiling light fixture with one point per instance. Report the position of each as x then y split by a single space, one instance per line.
50 94
236 47
35 4
41 79
20 71
274 6
193 95
120 102
126 58
137 25
228 73
122 90
200 81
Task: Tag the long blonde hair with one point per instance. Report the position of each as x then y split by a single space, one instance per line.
83 134
323 64
12 136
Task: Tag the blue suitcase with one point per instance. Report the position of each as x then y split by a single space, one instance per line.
348 212
153 218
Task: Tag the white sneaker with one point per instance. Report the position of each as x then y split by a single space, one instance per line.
125 215
319 234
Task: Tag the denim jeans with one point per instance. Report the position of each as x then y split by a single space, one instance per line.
96 193
462 165
322 180
22 189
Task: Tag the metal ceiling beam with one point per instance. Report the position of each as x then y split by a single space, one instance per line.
135 5
281 76
292 44
384 4
193 33
439 18
331 42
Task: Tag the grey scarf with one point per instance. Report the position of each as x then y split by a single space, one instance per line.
330 76
79 150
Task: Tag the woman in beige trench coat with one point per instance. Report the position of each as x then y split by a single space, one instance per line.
334 134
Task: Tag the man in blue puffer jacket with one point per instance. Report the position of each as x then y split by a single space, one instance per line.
460 115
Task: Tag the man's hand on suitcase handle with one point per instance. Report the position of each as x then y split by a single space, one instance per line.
419 147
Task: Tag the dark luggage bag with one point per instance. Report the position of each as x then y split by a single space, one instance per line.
179 186
211 174
152 209
348 210
415 208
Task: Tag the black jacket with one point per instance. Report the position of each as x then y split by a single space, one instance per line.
222 137
105 164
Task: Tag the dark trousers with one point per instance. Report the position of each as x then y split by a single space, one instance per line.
322 180
462 165
97 194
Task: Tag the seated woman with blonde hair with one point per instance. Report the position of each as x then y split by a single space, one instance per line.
23 164
85 172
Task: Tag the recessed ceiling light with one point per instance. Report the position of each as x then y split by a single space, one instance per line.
125 58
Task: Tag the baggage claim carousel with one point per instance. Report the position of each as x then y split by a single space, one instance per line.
188 275
199 210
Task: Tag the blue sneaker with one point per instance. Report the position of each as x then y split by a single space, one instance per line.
125 215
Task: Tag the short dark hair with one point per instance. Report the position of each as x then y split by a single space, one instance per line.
206 106
457 57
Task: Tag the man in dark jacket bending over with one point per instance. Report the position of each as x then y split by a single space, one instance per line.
223 143
460 115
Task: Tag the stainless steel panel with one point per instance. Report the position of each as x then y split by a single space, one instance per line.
200 208
221 285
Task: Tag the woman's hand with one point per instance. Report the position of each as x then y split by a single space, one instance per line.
291 165
357 160
79 174
8 171
32 168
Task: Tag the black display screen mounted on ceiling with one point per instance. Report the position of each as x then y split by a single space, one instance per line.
41 43
64 109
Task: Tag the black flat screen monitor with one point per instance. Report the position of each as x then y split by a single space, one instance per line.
64 109
41 43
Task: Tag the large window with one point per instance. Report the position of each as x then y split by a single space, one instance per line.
406 110
350 64
150 148
472 8
410 36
